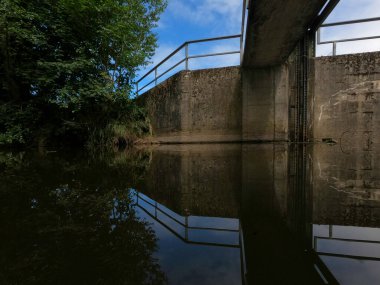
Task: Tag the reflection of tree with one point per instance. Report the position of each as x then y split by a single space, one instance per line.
71 222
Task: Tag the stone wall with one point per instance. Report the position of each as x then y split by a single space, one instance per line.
196 106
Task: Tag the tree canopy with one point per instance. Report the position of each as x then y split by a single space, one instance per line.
74 55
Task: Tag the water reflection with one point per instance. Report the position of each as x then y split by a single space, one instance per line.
351 253
195 214
68 220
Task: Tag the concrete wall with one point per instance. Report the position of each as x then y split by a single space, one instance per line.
268 107
346 99
265 104
346 109
260 104
344 94
196 106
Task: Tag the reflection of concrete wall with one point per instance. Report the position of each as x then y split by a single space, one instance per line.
264 178
267 204
346 186
347 99
196 106
200 180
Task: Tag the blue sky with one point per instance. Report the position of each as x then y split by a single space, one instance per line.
352 10
186 20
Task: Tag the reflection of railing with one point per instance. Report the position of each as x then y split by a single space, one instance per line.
343 243
184 223
184 60
350 243
162 214
345 23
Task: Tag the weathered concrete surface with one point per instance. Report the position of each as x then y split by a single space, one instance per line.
346 100
265 104
262 104
343 94
196 106
268 95
274 28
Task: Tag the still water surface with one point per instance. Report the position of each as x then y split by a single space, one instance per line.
195 214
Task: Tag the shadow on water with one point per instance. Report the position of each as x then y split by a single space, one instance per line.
191 214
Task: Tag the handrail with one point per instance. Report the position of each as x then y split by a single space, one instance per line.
186 59
343 23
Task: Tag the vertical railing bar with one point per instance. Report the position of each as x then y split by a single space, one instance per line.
155 77
334 48
242 28
187 56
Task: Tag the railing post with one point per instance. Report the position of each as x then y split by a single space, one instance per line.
137 88
186 227
319 36
155 77
187 56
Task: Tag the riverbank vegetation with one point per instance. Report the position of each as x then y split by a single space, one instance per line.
67 68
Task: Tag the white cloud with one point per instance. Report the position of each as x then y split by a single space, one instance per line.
222 15
354 9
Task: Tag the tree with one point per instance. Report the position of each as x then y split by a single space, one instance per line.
75 58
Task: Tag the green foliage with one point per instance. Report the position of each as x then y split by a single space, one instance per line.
17 123
78 55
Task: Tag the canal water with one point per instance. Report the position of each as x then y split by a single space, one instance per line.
191 215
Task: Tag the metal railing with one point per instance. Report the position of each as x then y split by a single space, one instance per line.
185 60
344 23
